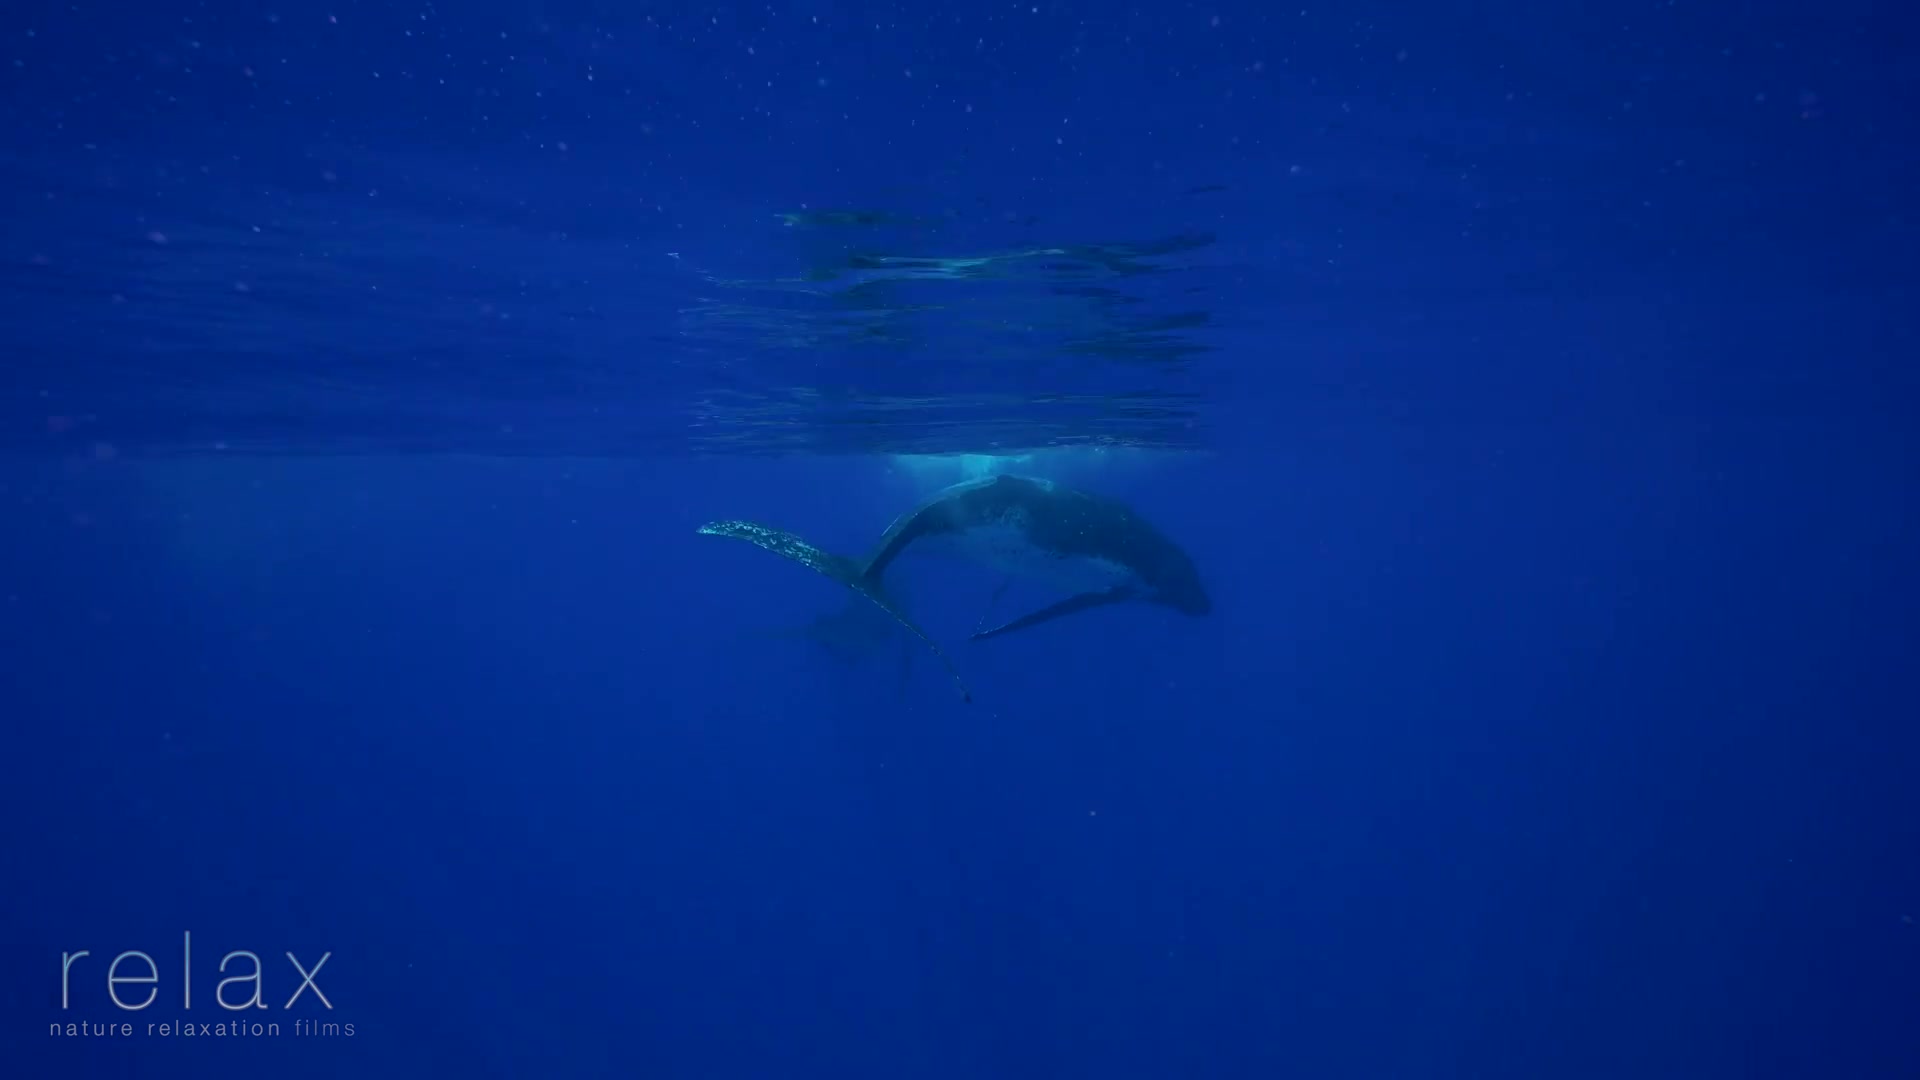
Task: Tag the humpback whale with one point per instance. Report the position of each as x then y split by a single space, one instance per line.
1095 548
856 635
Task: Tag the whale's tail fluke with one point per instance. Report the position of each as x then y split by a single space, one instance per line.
841 569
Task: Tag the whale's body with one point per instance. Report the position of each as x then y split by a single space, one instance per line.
1097 549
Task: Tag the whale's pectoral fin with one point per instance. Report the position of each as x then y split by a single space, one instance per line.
842 570
1071 604
839 568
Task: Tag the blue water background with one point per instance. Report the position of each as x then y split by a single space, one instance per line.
1533 388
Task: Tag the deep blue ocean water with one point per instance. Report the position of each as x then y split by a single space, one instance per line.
1532 388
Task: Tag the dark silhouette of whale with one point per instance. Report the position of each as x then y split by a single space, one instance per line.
857 635
1096 548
